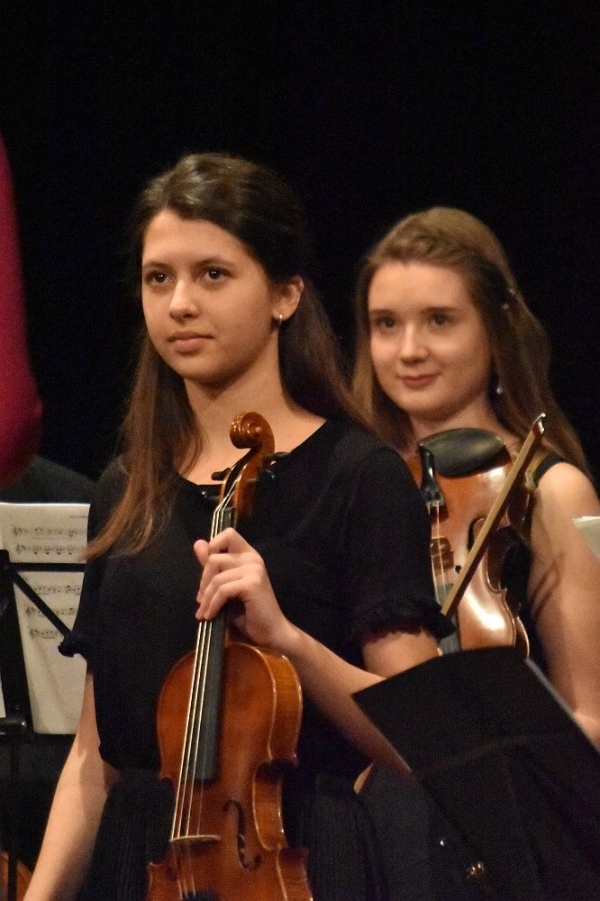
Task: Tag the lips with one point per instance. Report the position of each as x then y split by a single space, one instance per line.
418 381
187 342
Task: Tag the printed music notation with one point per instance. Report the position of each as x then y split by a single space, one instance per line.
34 551
39 535
48 533
44 531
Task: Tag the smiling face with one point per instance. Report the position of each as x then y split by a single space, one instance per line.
210 308
430 350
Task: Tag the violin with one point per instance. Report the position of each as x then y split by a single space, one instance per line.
22 878
228 722
478 497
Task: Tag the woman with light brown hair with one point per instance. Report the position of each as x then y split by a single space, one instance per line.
445 341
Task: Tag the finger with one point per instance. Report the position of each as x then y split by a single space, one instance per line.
201 551
224 587
228 540
216 563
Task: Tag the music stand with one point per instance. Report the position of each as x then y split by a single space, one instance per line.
43 542
500 754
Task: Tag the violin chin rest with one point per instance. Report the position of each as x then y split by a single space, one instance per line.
459 452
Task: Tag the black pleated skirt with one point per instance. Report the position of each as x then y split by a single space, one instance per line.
329 819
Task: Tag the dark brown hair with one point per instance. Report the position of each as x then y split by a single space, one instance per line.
452 238
159 435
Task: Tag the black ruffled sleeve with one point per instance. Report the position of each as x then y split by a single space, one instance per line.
386 537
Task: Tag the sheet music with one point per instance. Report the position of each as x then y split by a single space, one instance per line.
43 534
589 526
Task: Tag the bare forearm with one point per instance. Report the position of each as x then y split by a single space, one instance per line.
75 814
68 842
330 683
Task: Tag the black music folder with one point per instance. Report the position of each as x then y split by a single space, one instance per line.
498 751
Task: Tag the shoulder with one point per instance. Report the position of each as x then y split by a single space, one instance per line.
107 493
564 486
371 474
351 446
563 495
112 482
45 481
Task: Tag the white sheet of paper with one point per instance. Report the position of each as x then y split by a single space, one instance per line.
42 534
589 526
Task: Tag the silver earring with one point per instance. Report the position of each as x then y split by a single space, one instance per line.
280 320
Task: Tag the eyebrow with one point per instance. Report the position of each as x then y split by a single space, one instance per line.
205 261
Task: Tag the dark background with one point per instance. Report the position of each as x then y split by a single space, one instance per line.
370 110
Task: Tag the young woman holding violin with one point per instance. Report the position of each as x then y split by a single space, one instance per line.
221 263
445 341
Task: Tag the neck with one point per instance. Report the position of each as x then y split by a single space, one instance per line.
215 410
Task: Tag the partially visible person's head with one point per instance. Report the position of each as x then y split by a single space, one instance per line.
518 386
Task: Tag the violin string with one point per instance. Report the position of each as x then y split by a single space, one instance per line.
185 756
194 746
436 554
199 747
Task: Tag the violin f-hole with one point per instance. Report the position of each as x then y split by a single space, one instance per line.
241 835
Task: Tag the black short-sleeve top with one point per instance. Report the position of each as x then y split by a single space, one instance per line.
344 535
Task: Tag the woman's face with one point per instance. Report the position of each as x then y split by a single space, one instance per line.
430 349
210 309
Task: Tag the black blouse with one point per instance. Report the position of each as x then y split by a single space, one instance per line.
344 534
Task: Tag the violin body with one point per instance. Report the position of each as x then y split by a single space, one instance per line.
238 849
23 877
487 614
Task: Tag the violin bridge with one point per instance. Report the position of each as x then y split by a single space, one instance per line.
181 840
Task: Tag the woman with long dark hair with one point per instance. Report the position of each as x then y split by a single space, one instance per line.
232 323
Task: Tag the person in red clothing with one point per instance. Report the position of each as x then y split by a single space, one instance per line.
20 404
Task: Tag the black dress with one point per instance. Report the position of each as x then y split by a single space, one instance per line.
344 535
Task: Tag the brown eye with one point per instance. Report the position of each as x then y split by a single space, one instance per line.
155 278
214 274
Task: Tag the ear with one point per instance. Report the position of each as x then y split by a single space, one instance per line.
286 298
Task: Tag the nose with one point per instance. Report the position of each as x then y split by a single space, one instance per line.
412 346
181 304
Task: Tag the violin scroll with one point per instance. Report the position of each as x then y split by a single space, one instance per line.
253 431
